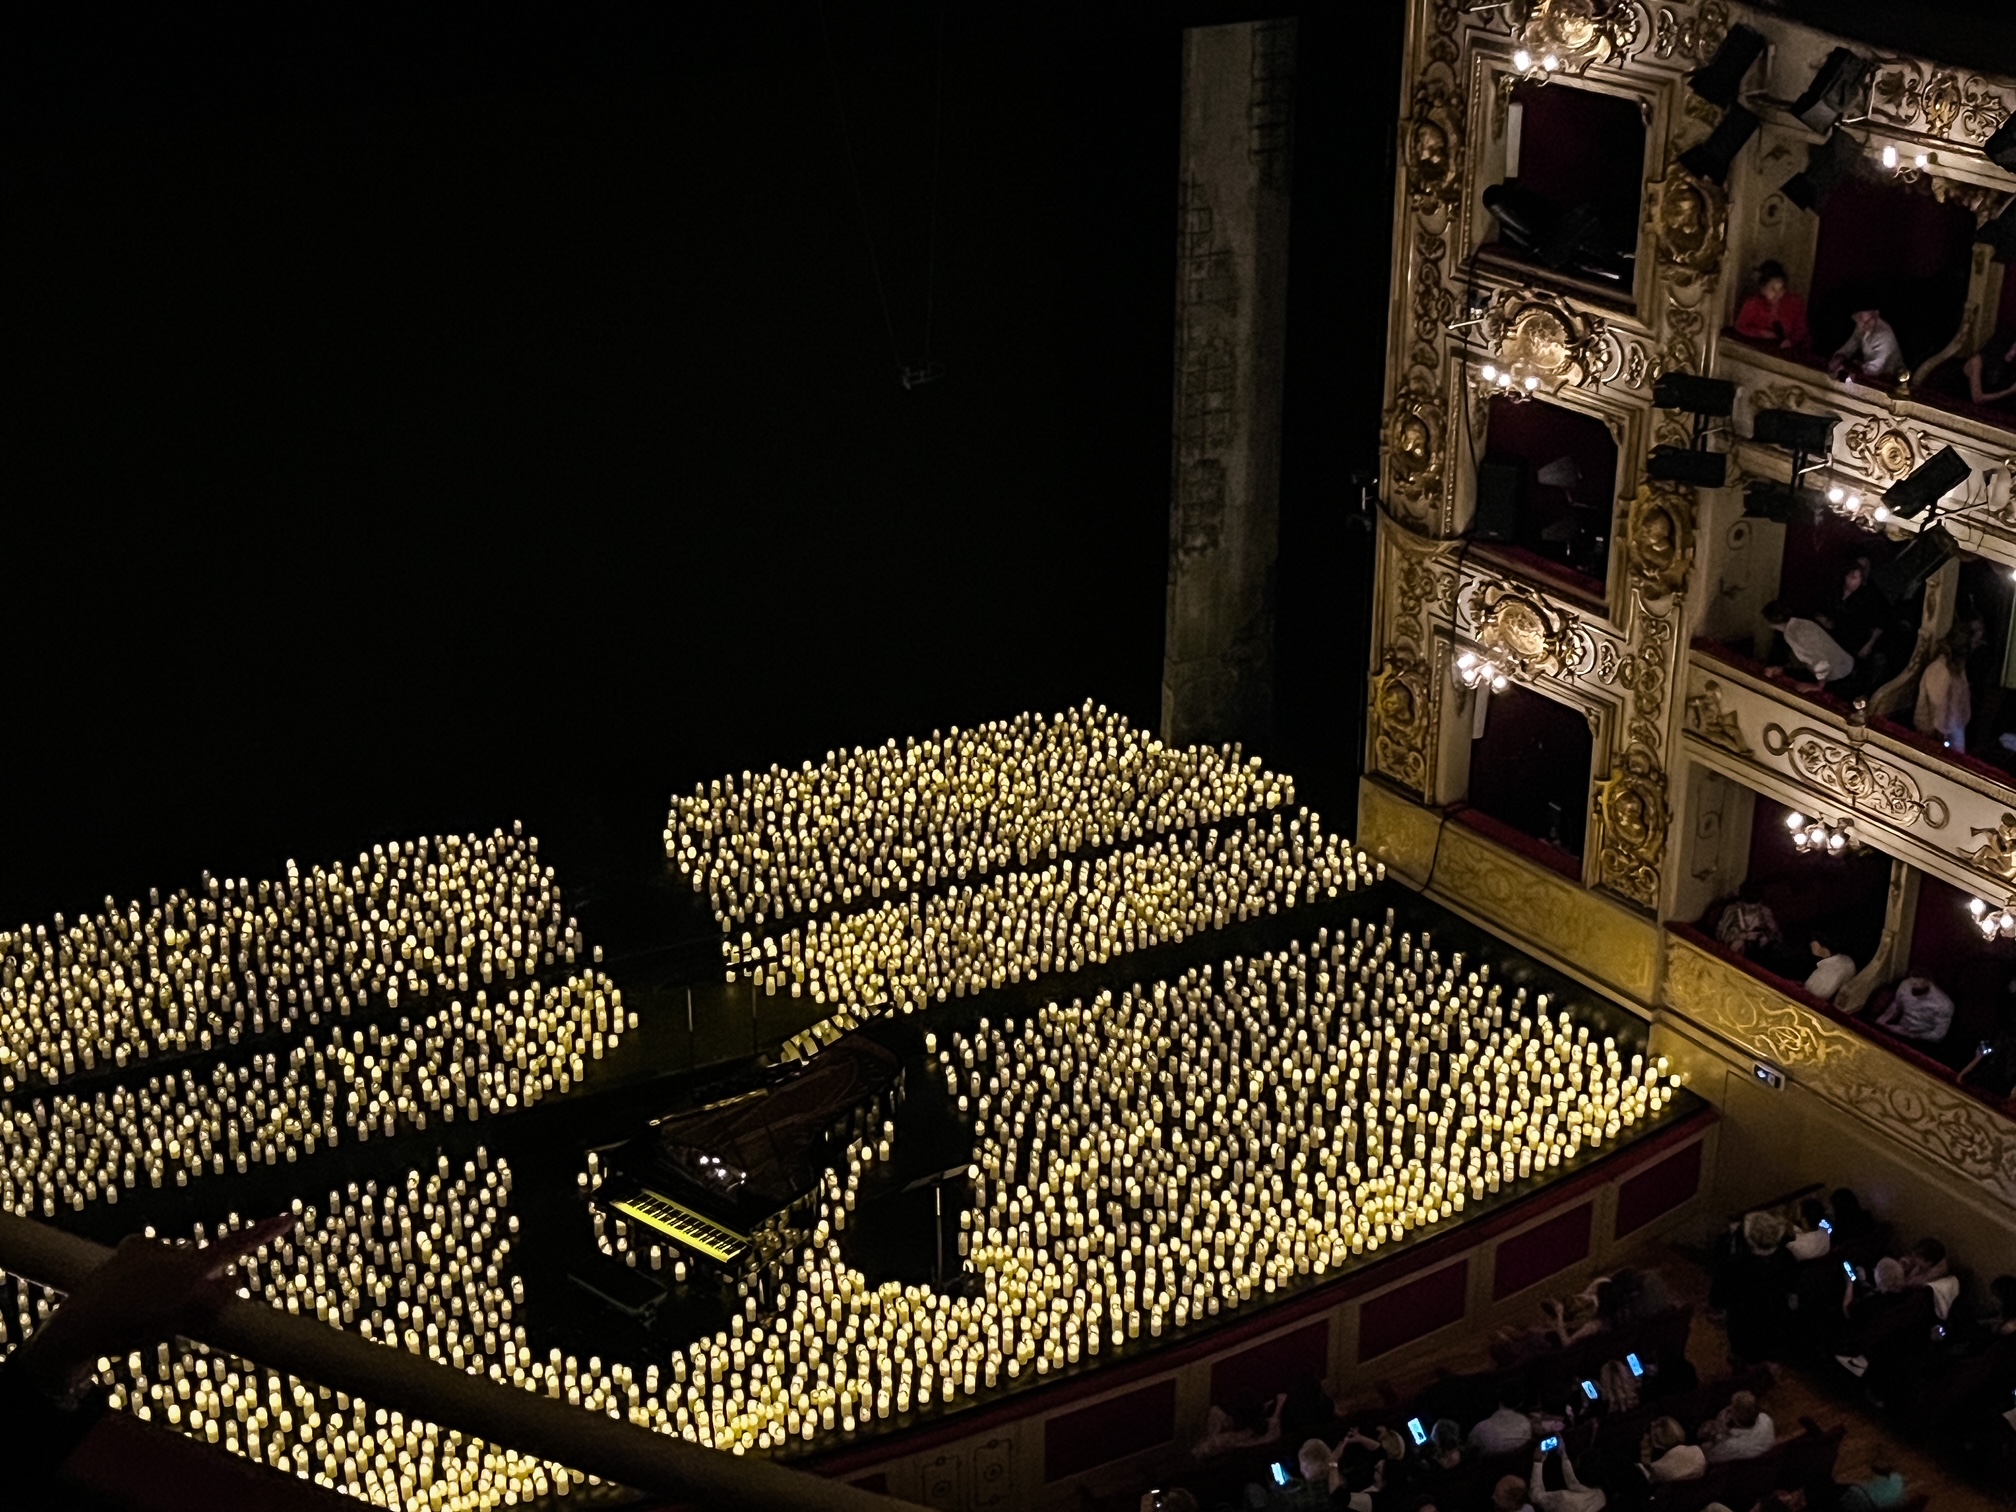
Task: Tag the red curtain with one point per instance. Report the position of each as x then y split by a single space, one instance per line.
1891 246
1576 147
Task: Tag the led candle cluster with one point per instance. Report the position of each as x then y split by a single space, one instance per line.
408 921
1024 924
491 1056
865 825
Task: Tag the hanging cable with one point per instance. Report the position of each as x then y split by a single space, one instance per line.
860 202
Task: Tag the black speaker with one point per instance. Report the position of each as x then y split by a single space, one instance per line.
1827 164
1711 159
1720 79
1903 575
1712 397
1794 431
1680 464
1497 501
1832 89
1928 483
2001 147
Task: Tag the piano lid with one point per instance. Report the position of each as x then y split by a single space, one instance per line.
757 1151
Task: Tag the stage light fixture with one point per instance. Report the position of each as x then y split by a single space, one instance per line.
1827 164
1710 160
1794 430
1682 464
2000 233
1713 397
1720 80
1832 90
1901 576
1927 484
2001 147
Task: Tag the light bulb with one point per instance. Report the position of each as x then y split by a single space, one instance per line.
1490 373
1532 383
1550 62
1882 513
1795 822
1977 907
1889 157
1837 494
1523 61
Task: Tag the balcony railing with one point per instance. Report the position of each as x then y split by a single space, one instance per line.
391 1378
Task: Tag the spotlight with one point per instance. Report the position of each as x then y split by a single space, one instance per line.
1832 89
1720 79
1827 164
2000 233
1682 464
1711 159
2001 147
1794 431
1714 397
1901 576
1927 484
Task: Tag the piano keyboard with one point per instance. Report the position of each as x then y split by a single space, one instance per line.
685 1226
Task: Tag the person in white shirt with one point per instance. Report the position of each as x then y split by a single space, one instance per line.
1812 1240
1945 701
1575 1498
1918 1010
1835 971
1667 1456
1818 654
1740 1431
1505 1430
1871 350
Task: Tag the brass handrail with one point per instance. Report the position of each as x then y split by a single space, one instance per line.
504 1415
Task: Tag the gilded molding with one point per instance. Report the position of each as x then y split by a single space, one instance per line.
1435 145
1530 902
1715 724
1402 719
1689 217
1996 857
1883 447
1936 101
1847 769
1396 831
1632 818
1577 33
1542 334
1659 538
1517 623
1676 31
1416 442
1897 1099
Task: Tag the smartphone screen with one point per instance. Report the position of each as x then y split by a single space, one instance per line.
1589 1390
1280 1473
1548 1444
1827 1225
1632 1361
1848 1269
1420 1433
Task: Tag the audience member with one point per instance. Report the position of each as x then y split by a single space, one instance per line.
1666 1454
1750 1286
1740 1431
1925 1263
1818 659
1871 350
1509 1495
1834 969
1503 1431
1884 1488
1747 925
1774 313
1856 618
1811 1238
1945 702
1248 1423
1918 1011
1573 1497
1851 1219
1991 374
1993 1066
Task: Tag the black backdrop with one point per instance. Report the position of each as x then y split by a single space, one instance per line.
491 414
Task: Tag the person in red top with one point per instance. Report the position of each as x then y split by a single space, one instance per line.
1774 313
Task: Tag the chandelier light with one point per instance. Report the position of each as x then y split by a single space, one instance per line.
1993 922
1475 671
1817 837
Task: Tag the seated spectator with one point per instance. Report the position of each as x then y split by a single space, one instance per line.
1991 378
1851 1219
1918 1011
1945 701
1811 1238
1925 1263
1870 352
1818 659
1740 1431
1509 1495
1857 618
1503 1431
1247 1424
2003 1320
1873 1310
1573 1497
1319 1479
1833 970
1774 313
1747 925
1666 1454
1884 1488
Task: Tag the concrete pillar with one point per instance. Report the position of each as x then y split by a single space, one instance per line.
1231 308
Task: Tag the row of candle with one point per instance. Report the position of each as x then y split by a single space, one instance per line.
1021 925
869 824
489 1057
412 919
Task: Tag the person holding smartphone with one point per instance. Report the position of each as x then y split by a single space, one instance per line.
1573 1496
1993 1066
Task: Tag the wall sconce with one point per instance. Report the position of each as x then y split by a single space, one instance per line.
1907 168
1475 671
1512 385
1816 837
1994 923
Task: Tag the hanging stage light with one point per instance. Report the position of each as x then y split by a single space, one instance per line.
2001 147
1794 430
1928 483
1833 89
1720 80
1711 159
1827 164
